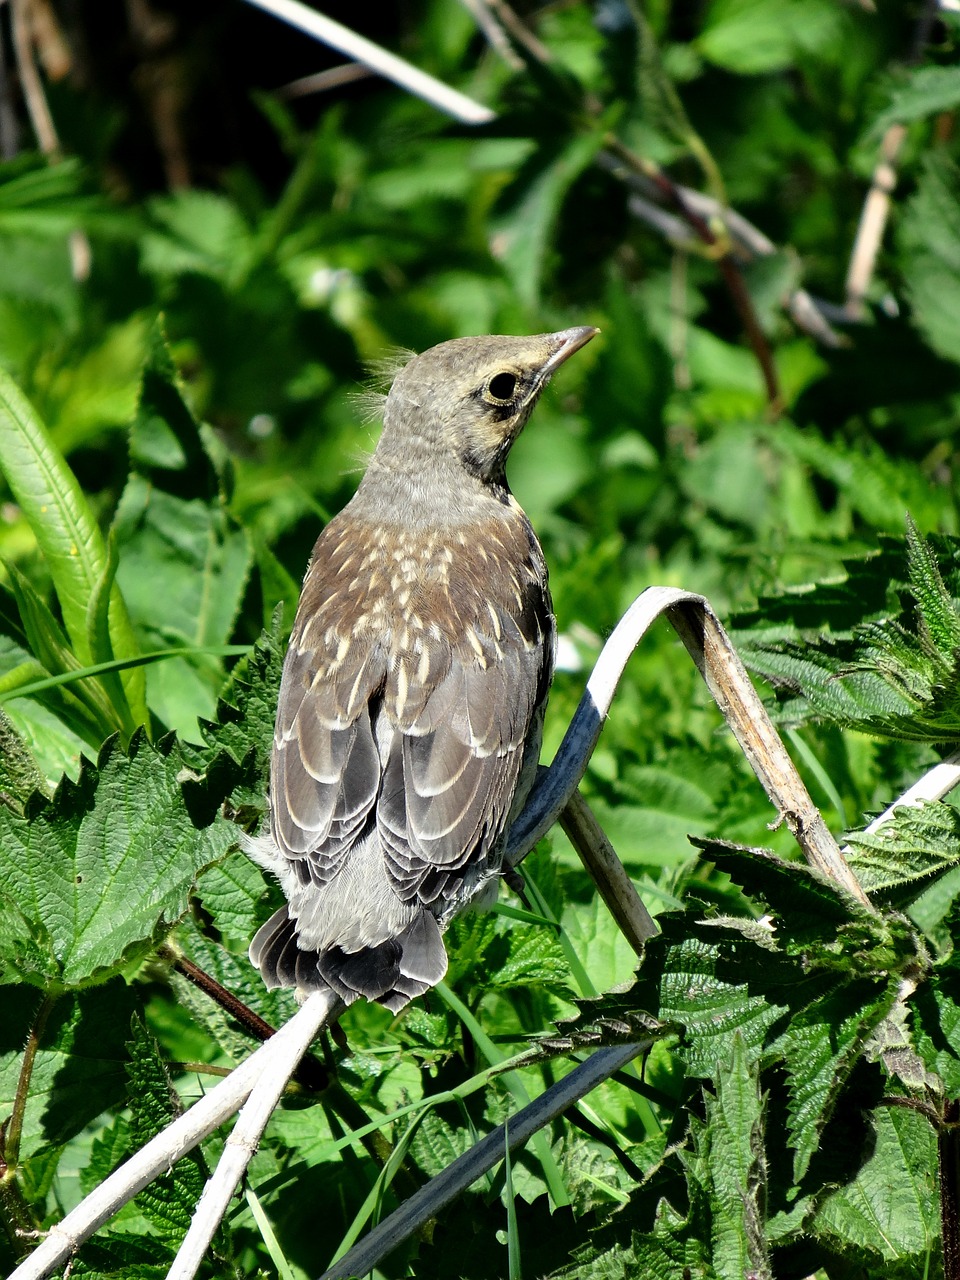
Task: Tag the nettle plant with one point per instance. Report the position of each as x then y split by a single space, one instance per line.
798 1017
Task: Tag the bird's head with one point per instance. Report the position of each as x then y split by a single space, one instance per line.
466 401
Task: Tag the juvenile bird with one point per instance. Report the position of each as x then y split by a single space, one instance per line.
413 691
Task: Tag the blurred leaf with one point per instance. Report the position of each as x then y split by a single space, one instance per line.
755 36
930 237
926 91
532 207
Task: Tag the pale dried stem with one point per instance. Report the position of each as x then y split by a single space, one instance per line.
385 64
934 785
873 222
163 1151
324 81
30 82
243 1141
726 678
607 872
33 21
493 33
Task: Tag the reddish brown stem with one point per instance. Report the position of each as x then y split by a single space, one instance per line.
948 1162
310 1073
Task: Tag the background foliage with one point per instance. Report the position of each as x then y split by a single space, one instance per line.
162 495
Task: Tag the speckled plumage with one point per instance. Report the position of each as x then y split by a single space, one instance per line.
411 707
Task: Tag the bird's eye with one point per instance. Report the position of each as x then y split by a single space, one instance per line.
502 387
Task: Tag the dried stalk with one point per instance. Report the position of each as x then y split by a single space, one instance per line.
934 785
243 1141
163 1151
726 678
30 82
385 64
607 872
873 223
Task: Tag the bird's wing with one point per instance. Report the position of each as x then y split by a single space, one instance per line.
326 768
451 775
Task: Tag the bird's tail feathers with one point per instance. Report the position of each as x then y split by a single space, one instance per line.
392 973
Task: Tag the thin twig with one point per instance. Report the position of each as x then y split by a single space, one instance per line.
425 1204
163 1151
722 249
873 223
323 81
607 872
493 33
509 22
243 1141
10 1146
876 205
311 1073
30 83
747 242
385 64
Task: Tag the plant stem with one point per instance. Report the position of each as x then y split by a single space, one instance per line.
948 1163
310 1073
722 252
14 1128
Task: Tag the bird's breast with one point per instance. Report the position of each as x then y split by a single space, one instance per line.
417 602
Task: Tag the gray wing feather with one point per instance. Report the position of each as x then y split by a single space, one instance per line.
442 793
326 766
451 777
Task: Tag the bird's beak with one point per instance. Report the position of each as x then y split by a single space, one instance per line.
568 341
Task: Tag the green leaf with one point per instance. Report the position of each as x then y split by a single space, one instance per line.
915 844
524 231
717 990
85 705
792 891
737 1168
79 1068
167 1202
895 672
930 241
237 974
246 710
755 36
20 774
90 880
926 91
66 532
820 1048
936 1024
890 1208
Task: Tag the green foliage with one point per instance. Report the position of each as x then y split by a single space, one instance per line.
92 878
159 496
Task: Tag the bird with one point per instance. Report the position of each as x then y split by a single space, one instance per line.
410 713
